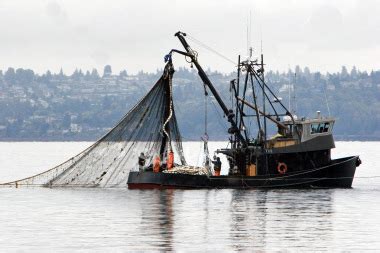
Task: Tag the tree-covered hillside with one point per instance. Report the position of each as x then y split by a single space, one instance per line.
83 106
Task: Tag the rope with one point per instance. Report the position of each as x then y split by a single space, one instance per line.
170 113
206 134
206 153
211 49
224 124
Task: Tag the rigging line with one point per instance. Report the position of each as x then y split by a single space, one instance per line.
257 108
206 113
242 123
211 49
294 93
223 125
199 153
215 107
272 84
369 177
270 91
266 95
221 86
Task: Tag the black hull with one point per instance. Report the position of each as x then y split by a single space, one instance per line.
339 174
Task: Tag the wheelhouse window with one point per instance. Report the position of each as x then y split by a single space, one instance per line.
317 128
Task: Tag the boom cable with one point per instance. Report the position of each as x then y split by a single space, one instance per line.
211 49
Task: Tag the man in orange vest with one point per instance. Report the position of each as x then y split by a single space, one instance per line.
156 164
217 166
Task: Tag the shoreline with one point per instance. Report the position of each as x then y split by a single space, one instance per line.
336 138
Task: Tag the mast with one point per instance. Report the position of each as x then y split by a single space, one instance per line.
237 92
265 118
263 89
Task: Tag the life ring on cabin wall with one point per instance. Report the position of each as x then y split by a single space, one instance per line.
282 168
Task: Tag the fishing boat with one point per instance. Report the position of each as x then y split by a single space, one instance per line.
298 156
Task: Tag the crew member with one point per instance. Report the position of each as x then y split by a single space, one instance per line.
142 160
217 166
170 161
156 164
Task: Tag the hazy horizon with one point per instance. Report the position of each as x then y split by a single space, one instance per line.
181 67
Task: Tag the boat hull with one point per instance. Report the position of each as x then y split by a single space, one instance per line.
338 174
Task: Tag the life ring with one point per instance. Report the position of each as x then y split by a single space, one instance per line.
282 168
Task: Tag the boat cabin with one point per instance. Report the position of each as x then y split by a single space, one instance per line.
302 130
309 128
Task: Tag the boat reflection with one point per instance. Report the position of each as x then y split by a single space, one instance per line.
237 220
279 218
157 219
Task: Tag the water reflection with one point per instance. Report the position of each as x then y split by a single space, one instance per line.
236 219
157 218
248 222
280 217
199 220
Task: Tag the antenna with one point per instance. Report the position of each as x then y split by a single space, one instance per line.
290 109
250 29
247 37
294 93
261 38
289 97
249 34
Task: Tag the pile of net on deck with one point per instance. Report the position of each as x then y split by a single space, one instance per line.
149 127
190 170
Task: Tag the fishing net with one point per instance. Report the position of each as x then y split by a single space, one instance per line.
150 127
189 170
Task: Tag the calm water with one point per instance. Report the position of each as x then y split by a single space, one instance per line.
40 219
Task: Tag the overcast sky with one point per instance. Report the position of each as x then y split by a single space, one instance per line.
136 34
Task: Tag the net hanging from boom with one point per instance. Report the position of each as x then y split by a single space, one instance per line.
150 127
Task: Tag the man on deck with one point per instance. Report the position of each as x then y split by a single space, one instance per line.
217 166
142 160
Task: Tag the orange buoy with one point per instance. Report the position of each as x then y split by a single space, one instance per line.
170 161
282 168
156 164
